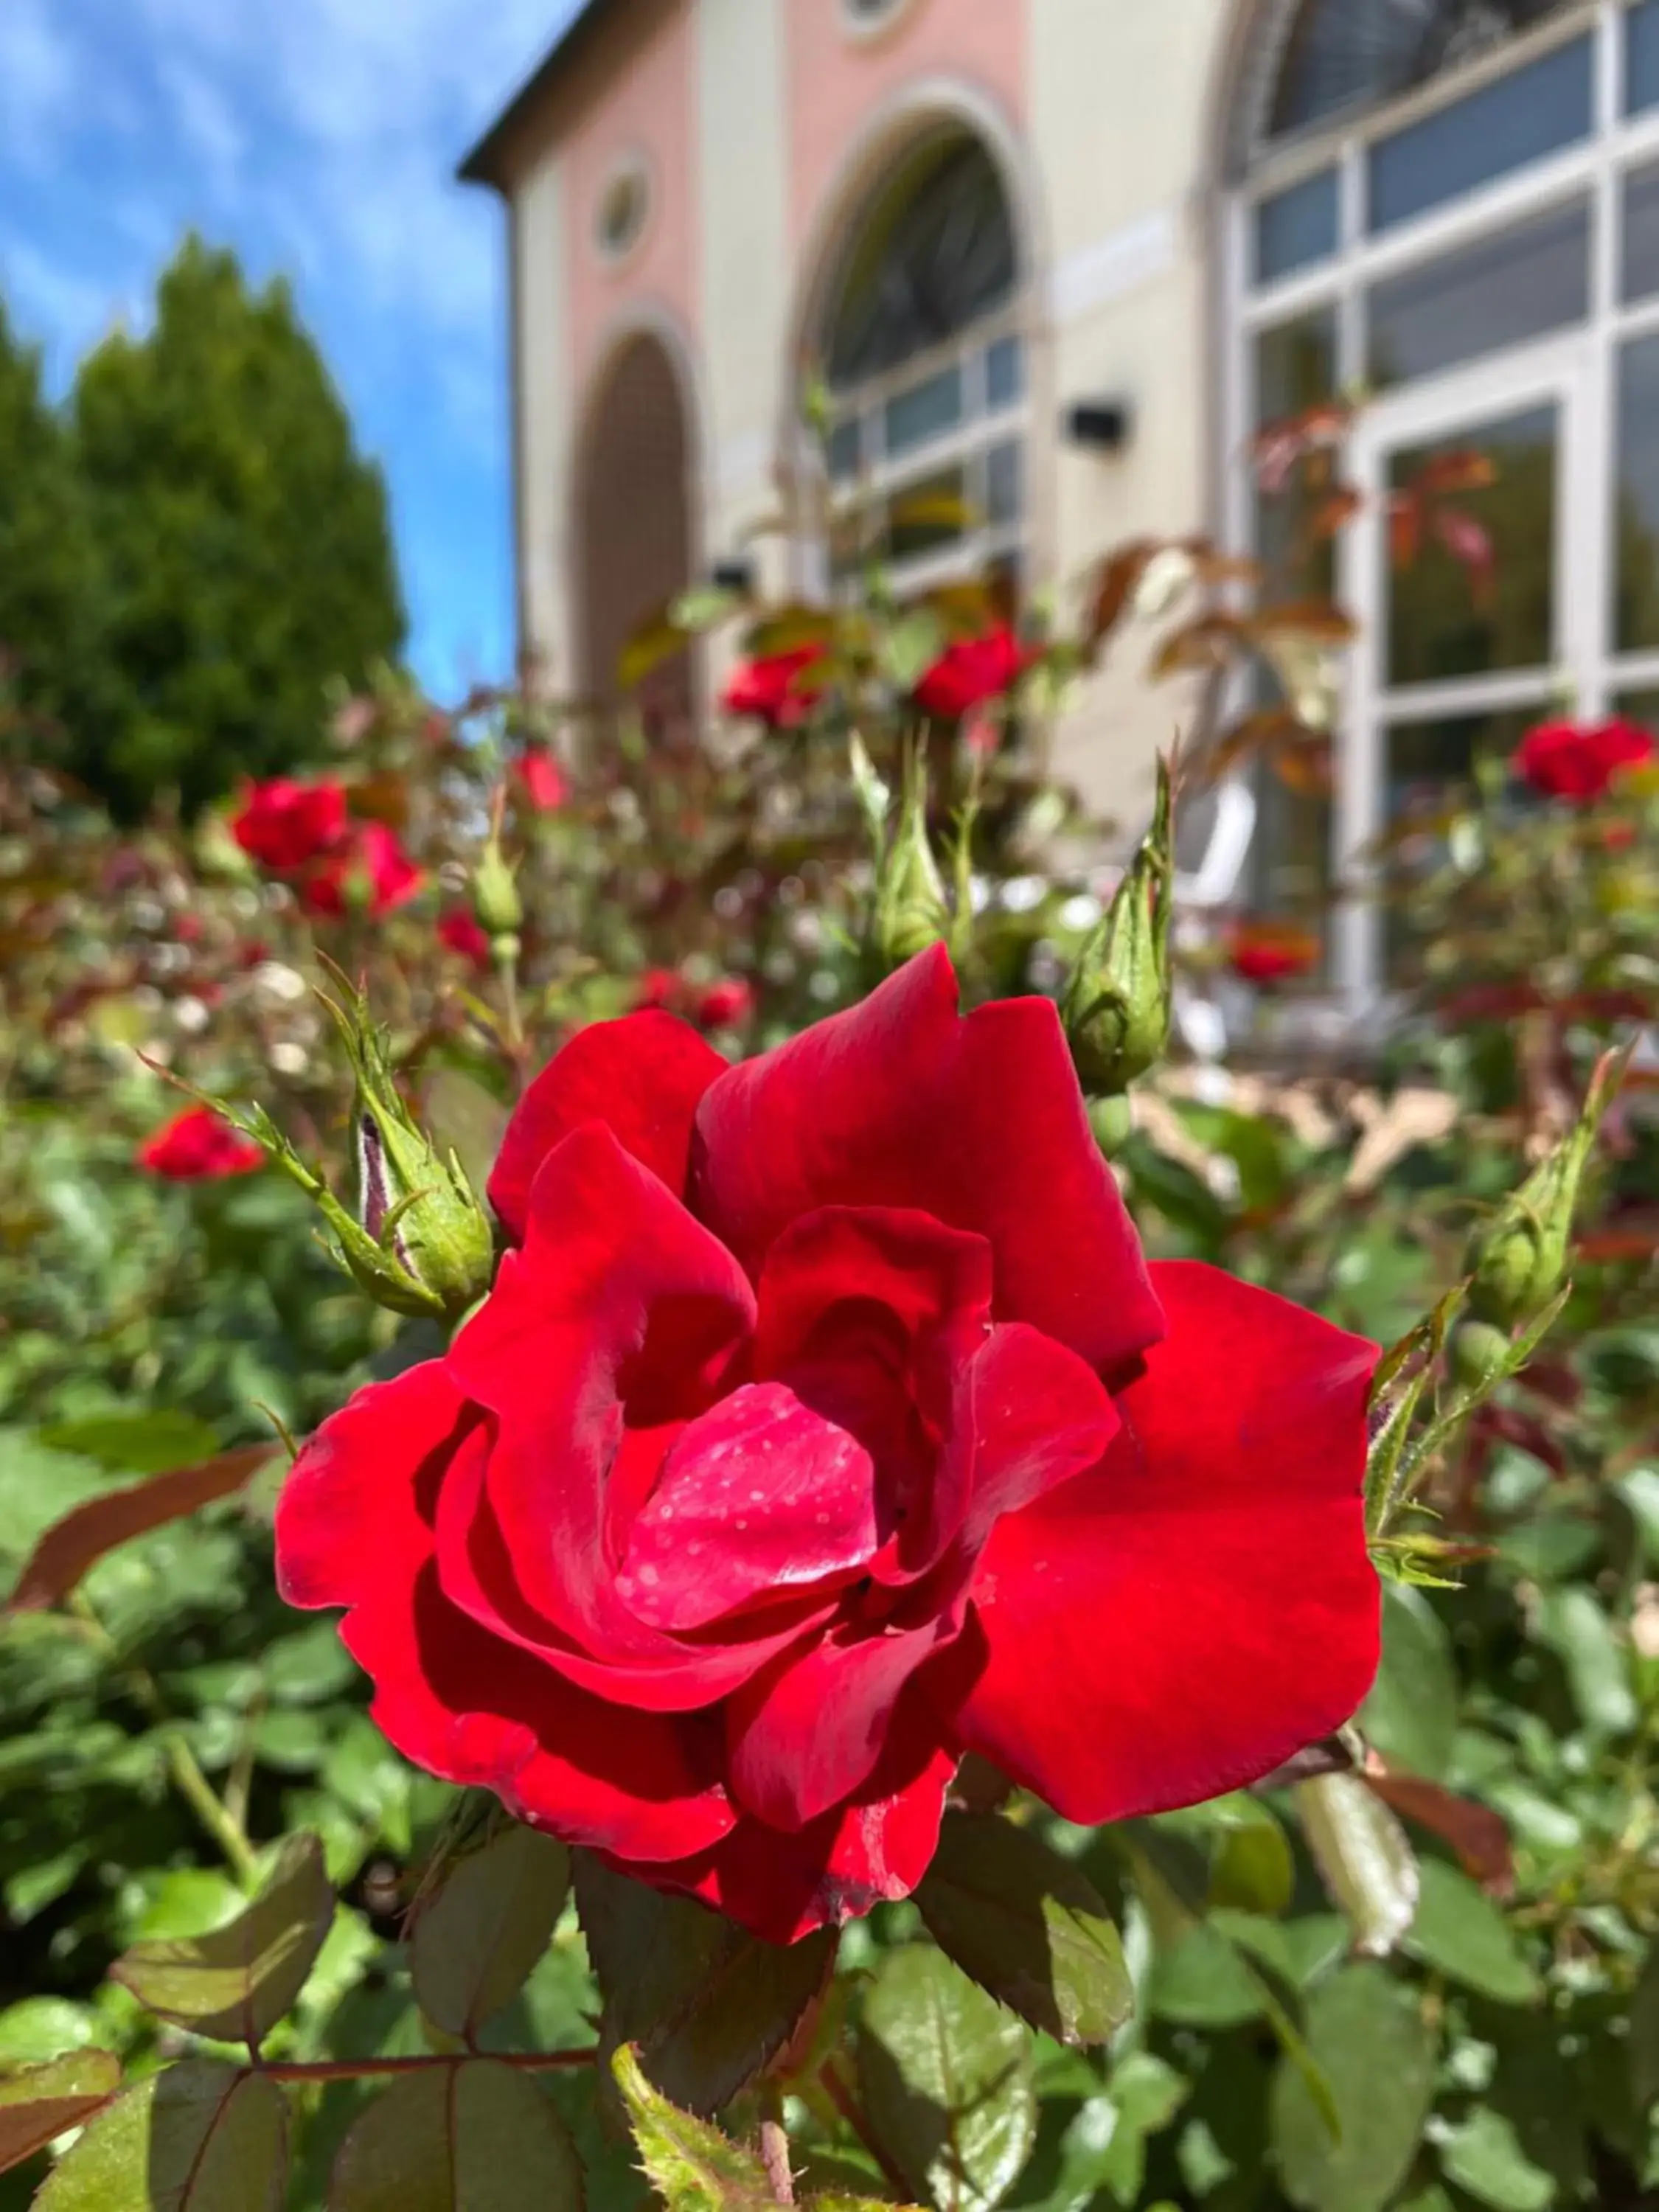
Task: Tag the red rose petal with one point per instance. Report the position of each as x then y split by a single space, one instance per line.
876 1849
1182 1621
758 1494
353 1528
978 1121
641 1077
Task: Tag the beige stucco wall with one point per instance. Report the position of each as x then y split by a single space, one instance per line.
744 209
545 400
1120 96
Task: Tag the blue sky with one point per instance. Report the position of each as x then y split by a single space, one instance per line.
320 138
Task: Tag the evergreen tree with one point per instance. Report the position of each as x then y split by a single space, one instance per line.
47 575
244 551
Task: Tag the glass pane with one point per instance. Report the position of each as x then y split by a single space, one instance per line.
1295 365
1346 53
1642 57
1005 373
924 411
1639 274
928 515
1476 591
1516 286
1423 763
1003 472
1640 706
934 252
1535 110
844 449
1636 511
1296 227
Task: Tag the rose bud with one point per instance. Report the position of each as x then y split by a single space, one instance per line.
910 911
423 1244
495 898
1518 1260
1116 1005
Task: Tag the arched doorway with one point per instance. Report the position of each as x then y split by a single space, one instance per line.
636 549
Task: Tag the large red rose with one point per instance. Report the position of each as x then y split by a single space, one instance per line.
370 873
286 825
1581 762
826 1423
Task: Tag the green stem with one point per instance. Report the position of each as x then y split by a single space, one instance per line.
183 1767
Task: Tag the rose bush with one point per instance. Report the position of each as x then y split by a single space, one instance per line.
1581 762
197 1146
824 1419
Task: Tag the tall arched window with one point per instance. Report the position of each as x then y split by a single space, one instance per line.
923 351
1452 206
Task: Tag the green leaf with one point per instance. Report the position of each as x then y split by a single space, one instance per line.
198 2137
1458 1930
36 2029
463 1118
476 2136
136 1443
1411 1715
910 647
1485 2157
1365 1857
1573 1625
1251 1868
947 2076
1027 1926
1201 1981
38 2103
1640 1491
236 1983
692 2167
708 2006
1369 2039
476 1944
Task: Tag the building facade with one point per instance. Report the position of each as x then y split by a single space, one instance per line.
1064 258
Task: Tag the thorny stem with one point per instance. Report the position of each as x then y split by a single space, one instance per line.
183 1768
368 2069
774 2146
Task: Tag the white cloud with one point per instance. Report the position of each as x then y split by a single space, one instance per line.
36 80
207 122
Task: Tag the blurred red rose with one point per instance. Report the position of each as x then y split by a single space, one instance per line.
462 932
197 1146
970 671
824 1424
658 986
1271 951
540 779
776 688
285 825
1580 762
726 1005
371 874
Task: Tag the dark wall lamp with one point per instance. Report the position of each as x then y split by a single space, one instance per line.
735 576
1101 425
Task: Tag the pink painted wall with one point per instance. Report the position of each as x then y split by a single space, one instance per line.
836 79
648 104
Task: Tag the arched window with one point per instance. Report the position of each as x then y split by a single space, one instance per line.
923 351
1451 208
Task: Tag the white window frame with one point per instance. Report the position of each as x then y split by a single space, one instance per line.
966 445
1578 364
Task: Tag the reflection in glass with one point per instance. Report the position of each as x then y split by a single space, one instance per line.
926 411
1448 618
1423 763
1642 57
1636 503
1350 53
1005 373
1002 484
1515 119
844 450
926 515
1295 370
1639 267
1519 284
1296 227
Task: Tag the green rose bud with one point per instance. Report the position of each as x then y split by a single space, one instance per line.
910 911
1517 1261
495 898
1117 1005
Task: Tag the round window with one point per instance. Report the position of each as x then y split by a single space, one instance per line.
625 206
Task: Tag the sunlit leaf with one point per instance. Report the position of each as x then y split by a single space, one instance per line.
38 2103
475 1943
1367 2033
197 2137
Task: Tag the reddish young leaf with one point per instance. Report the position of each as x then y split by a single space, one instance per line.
38 2103
1478 1835
81 1538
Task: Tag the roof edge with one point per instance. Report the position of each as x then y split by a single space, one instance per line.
483 164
